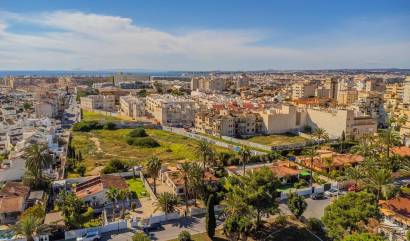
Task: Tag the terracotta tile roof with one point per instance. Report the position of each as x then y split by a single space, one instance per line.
98 184
402 151
13 197
397 208
283 171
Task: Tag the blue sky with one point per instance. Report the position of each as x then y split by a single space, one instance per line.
204 35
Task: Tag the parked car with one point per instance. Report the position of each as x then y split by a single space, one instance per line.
333 192
317 196
90 235
152 227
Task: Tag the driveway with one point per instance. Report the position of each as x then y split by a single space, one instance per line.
315 208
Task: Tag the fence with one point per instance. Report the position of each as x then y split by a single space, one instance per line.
306 191
120 225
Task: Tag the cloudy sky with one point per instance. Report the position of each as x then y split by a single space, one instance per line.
203 35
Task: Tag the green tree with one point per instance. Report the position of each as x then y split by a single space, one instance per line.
81 169
379 179
210 221
311 153
390 138
363 237
167 202
296 204
139 236
245 154
71 207
122 197
320 134
37 158
203 150
345 213
154 165
29 226
185 169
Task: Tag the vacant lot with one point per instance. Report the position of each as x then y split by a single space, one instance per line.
276 140
94 116
100 146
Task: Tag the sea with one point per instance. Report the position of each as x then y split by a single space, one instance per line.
81 73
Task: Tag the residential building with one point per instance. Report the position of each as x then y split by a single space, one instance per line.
396 217
347 97
208 84
132 106
98 102
303 90
13 201
327 161
171 110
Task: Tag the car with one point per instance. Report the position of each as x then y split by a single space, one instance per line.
332 192
90 235
317 196
152 227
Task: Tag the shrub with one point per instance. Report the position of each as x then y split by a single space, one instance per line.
81 169
280 220
86 126
140 237
114 166
110 126
184 236
315 225
300 184
144 142
138 132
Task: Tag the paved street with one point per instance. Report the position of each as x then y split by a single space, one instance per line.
169 231
315 208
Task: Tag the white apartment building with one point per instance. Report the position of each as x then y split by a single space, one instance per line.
303 90
282 119
98 102
208 84
132 106
171 110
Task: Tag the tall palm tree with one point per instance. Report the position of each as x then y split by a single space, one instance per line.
245 154
365 147
122 196
196 183
167 202
185 169
154 165
37 158
203 150
321 134
29 226
311 154
355 173
379 178
390 138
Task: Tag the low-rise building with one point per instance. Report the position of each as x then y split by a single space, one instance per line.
98 102
13 201
396 217
132 106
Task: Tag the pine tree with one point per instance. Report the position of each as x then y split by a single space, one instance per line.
210 217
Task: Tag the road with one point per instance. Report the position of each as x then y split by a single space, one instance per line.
169 230
71 114
315 208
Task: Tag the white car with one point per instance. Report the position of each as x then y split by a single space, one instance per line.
91 235
333 192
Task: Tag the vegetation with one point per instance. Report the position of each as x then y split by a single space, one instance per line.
210 221
71 207
37 158
139 236
86 126
345 214
114 166
245 154
138 132
137 186
94 116
276 140
184 236
143 142
167 202
363 237
29 226
154 165
296 204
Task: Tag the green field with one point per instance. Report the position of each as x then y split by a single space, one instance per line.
137 186
276 140
94 116
100 146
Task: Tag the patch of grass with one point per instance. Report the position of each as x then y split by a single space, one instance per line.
275 140
112 144
137 186
94 116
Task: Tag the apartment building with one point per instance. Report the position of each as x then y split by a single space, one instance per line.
347 97
333 85
171 110
228 123
371 104
303 90
208 84
282 119
406 90
98 102
132 106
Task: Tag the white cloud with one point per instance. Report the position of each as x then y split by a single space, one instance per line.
69 40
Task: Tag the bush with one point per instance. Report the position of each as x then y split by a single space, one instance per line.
110 126
86 126
315 225
114 166
300 184
281 220
143 142
138 132
140 237
81 169
184 236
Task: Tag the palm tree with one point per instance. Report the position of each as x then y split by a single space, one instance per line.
390 137
378 178
311 154
167 202
112 196
29 226
245 154
321 134
122 196
203 150
365 147
195 179
37 158
355 173
154 165
185 169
